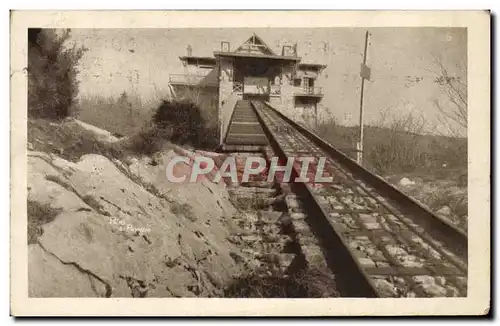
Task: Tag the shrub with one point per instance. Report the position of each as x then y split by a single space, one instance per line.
184 122
180 121
148 141
399 152
52 83
340 136
398 144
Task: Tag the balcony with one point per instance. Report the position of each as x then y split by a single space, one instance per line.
308 91
191 80
275 90
238 88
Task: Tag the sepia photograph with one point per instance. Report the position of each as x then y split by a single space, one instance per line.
261 161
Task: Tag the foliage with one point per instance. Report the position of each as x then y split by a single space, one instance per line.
402 149
52 70
397 144
184 122
454 113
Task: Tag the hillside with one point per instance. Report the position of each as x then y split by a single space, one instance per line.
430 168
95 221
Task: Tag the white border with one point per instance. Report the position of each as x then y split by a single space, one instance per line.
478 69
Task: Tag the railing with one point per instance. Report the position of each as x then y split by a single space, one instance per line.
306 91
275 90
256 89
237 88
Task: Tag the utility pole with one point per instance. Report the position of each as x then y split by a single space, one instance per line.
365 74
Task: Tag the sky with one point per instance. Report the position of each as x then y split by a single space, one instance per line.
402 62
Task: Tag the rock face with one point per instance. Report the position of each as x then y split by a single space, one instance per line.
445 210
406 182
123 230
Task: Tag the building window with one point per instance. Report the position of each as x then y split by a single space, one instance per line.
225 46
287 50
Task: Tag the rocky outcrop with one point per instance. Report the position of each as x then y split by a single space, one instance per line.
123 230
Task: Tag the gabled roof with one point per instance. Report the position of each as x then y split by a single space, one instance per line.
262 56
255 45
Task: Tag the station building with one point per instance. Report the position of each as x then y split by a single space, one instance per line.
253 71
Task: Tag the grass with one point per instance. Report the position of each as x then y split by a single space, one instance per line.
127 114
38 215
249 203
67 141
147 131
149 123
311 283
182 209
147 141
122 116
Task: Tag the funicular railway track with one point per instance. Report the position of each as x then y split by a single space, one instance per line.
376 240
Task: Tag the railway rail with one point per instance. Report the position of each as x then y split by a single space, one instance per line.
376 240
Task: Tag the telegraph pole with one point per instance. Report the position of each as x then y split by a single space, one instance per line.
365 74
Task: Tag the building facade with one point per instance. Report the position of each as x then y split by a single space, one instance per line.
253 71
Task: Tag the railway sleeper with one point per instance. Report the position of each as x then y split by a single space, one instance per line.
276 250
